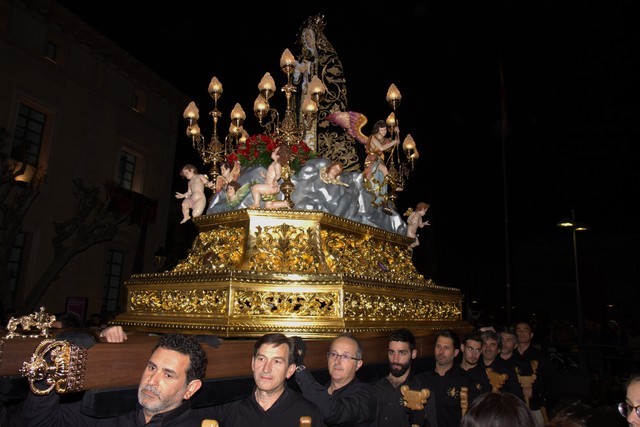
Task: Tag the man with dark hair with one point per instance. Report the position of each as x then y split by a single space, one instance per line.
448 381
516 361
540 364
471 348
344 401
490 364
272 403
402 350
173 374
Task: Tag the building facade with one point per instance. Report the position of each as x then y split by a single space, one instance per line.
76 105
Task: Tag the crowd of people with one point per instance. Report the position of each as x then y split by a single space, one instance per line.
486 378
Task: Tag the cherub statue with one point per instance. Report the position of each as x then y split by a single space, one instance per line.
415 220
194 199
331 174
376 175
270 188
228 172
236 193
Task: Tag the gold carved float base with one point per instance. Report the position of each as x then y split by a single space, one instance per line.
306 273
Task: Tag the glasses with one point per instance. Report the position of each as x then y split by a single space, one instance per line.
624 409
332 355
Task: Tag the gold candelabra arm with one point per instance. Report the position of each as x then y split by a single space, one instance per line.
287 187
272 124
215 116
57 365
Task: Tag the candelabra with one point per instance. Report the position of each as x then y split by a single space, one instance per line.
289 130
399 168
215 151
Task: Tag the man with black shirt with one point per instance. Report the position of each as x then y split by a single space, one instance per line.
515 360
344 401
541 366
391 413
471 349
447 381
491 346
272 403
172 375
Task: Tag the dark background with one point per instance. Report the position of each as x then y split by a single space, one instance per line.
570 139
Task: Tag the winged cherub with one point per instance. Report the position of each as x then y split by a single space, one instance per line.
376 175
228 172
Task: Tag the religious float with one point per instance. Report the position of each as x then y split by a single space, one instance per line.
325 253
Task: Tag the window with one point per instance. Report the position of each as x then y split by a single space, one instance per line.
134 102
15 259
113 279
51 51
28 135
139 101
126 170
129 166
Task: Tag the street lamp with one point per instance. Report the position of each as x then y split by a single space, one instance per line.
572 224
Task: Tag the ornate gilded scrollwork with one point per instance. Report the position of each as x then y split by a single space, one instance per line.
217 249
60 364
366 256
364 306
285 248
39 320
308 272
258 303
197 301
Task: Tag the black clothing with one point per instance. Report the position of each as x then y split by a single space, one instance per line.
539 397
247 412
519 364
446 389
391 413
511 385
480 379
47 411
353 405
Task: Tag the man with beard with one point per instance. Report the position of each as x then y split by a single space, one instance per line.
173 374
448 380
402 350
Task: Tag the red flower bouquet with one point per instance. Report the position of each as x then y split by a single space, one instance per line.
258 148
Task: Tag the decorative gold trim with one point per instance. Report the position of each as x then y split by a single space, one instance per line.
59 363
299 304
39 320
310 273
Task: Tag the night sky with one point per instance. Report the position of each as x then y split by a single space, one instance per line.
570 88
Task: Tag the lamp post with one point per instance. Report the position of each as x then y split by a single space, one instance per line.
572 224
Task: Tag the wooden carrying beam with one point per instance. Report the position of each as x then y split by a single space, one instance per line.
109 365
